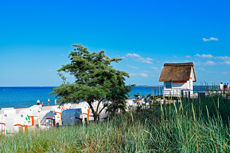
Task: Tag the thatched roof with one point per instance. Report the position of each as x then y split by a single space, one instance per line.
177 72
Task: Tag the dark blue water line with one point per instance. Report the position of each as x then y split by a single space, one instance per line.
19 97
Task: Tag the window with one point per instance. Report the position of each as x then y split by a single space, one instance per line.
168 85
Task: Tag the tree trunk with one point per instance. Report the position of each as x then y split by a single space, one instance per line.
94 118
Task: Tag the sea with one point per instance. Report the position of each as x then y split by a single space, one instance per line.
21 97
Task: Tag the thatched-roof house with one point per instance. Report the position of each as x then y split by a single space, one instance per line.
177 77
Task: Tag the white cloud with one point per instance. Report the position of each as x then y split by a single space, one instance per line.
197 63
204 39
188 56
137 57
211 56
132 74
225 62
210 39
155 68
224 72
202 69
206 63
223 57
149 59
144 75
210 63
139 74
175 56
133 67
204 55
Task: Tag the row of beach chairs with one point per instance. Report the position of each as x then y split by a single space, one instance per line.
64 115
30 118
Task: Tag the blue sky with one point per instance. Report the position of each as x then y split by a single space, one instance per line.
36 38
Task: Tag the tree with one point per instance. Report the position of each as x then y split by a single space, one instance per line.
96 80
118 99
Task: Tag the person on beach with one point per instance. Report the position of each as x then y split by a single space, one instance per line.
48 101
42 104
221 87
55 102
225 87
38 102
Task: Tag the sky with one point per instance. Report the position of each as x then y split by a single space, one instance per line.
36 38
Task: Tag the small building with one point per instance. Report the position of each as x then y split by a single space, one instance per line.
178 78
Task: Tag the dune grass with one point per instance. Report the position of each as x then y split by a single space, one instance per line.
117 136
200 125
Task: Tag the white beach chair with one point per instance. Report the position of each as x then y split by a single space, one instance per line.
46 118
6 123
9 121
21 122
14 122
36 109
58 116
130 105
85 109
30 113
2 125
9 110
67 106
71 116
33 113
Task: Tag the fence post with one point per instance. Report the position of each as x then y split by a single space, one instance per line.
182 94
186 95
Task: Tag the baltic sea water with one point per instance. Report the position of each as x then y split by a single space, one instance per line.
20 97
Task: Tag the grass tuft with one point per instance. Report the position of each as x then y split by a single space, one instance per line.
200 125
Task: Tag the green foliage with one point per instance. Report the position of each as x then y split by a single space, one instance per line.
193 125
177 127
119 135
152 101
96 80
118 100
137 95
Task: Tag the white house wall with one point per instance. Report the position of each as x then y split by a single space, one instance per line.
192 75
177 87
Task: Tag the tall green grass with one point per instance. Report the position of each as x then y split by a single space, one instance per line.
200 125
194 125
113 136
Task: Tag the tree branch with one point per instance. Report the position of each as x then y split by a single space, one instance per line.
99 104
102 109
